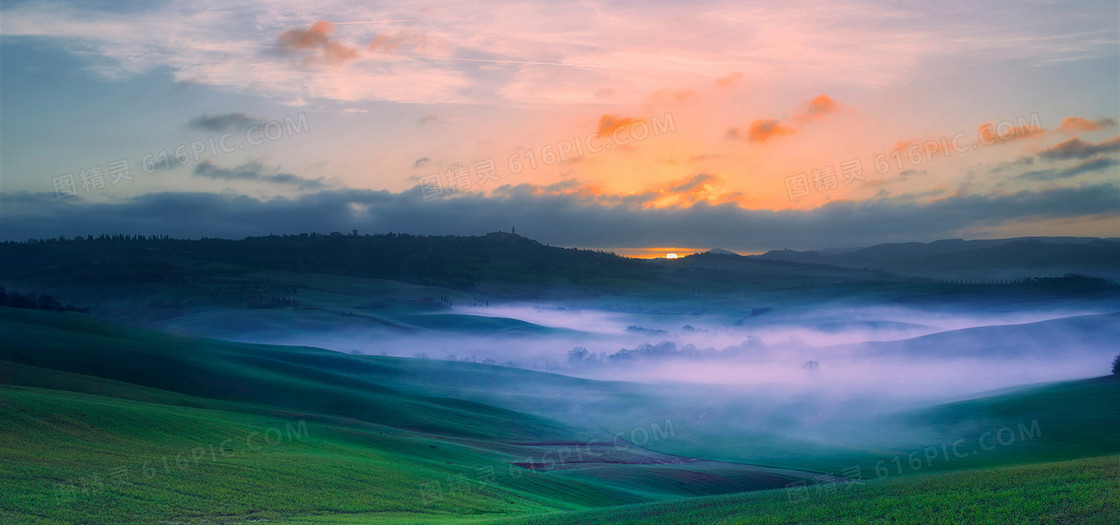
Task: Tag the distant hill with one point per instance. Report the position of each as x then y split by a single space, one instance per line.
979 259
720 251
1085 335
264 272
382 281
451 261
463 263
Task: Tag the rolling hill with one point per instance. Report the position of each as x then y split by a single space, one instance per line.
109 423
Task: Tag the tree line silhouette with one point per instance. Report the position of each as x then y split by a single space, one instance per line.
30 301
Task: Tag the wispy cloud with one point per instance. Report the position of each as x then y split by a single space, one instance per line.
1087 166
225 122
1052 163
1078 125
256 172
603 43
406 41
1076 148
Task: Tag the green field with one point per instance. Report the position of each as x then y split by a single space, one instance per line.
108 424
104 423
1080 491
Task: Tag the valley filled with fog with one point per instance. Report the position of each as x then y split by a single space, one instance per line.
890 351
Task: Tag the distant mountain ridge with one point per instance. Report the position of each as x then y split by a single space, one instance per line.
382 279
988 258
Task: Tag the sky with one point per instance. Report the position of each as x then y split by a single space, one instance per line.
637 127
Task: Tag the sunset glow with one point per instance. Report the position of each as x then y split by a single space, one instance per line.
730 113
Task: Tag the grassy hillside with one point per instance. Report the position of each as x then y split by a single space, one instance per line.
1085 491
102 423
108 424
304 379
83 458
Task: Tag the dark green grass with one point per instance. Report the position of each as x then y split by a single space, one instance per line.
64 454
1085 491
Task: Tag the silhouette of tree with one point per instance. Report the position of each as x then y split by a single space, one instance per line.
577 355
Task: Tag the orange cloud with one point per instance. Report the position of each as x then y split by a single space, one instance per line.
685 192
765 129
820 106
989 134
609 123
316 38
1078 124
